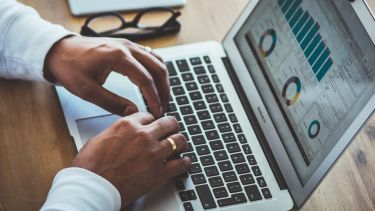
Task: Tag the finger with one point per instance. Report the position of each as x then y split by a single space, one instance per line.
164 127
143 118
107 100
158 71
144 80
165 148
176 167
152 52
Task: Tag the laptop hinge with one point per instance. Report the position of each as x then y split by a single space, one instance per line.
254 122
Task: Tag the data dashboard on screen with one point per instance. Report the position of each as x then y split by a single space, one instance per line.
320 75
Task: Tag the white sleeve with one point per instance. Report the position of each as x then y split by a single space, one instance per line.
25 39
77 189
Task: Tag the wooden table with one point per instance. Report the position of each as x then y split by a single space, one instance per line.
35 143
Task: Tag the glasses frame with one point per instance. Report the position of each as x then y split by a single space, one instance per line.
171 26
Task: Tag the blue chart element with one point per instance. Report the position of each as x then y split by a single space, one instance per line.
306 31
312 134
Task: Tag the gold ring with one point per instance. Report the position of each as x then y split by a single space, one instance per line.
148 49
173 144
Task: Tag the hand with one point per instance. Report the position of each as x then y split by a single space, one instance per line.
82 65
130 155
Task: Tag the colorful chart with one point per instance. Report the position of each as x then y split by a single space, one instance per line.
312 134
293 80
269 33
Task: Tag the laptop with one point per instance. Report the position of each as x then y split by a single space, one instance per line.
267 112
85 7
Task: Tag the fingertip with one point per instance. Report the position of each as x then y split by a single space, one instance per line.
129 110
187 162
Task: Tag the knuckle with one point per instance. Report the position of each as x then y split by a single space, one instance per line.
125 123
147 80
144 135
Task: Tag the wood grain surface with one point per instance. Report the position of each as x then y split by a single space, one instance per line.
35 143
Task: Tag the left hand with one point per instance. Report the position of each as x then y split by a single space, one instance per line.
82 65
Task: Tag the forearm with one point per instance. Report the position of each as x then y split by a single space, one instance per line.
79 189
25 40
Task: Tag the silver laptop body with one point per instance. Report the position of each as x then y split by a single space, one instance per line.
298 78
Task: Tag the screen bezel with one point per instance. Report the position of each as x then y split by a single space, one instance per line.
299 192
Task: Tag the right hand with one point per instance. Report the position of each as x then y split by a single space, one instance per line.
131 156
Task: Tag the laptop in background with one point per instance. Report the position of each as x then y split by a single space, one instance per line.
85 7
267 112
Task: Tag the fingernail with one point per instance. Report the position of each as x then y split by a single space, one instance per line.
187 162
130 110
160 111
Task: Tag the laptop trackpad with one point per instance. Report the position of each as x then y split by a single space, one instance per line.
90 127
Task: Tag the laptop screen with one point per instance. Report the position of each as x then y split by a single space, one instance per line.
319 65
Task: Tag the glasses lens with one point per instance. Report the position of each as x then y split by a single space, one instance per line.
105 23
154 19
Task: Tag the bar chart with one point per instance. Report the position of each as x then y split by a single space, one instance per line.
306 31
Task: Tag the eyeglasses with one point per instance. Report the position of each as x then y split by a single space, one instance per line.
143 26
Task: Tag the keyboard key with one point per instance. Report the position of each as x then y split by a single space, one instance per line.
242 168
195 95
198 179
216 145
230 176
191 86
233 118
203 79
207 160
225 165
195 168
220 155
237 128
212 98
171 69
247 179
179 185
175 115
220 117
203 150
185 110
211 69
216 108
256 171
181 126
191 119
251 160
228 107
266 193
234 187
205 196
261 182
233 147
195 61
220 192
219 88
212 134
186 135
187 77
207 59
203 115
189 147
224 127
194 129
171 107
207 88
215 181
192 156
199 70
183 196
235 199
197 140
191 195
228 137
242 138
224 98
188 206
199 105
238 158
246 149
182 65
182 100
215 78
211 171
208 125
253 193
174 81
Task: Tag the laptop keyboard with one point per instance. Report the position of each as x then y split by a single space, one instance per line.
224 171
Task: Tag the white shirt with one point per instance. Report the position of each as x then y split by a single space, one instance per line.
25 40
